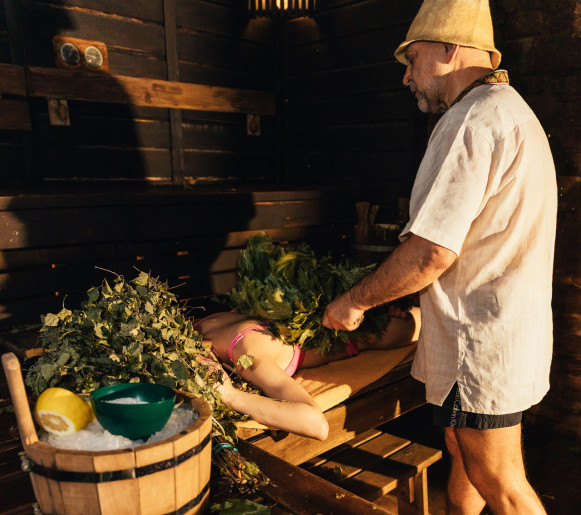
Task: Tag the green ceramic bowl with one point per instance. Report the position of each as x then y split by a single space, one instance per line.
134 421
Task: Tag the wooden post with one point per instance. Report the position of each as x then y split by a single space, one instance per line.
173 74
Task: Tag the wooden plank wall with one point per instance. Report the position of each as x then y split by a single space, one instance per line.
51 243
351 121
205 42
541 45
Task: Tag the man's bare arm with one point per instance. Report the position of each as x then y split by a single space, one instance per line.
413 265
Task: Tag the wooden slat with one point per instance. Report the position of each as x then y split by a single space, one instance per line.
42 20
349 419
171 56
339 20
12 80
14 115
350 463
73 163
140 9
383 76
351 444
382 477
53 83
218 52
227 20
303 492
321 237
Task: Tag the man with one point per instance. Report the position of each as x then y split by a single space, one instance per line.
479 247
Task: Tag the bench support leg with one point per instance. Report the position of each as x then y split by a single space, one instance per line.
412 496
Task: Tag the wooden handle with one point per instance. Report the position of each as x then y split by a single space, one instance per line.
19 399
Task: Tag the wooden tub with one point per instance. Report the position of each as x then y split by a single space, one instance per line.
171 476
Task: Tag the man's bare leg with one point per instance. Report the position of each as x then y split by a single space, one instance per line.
493 463
463 498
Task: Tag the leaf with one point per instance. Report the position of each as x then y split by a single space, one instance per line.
47 370
240 507
93 294
245 361
50 320
63 358
142 279
180 370
290 288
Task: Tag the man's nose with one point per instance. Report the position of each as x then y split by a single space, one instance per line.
407 76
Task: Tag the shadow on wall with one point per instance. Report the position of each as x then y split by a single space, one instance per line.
58 227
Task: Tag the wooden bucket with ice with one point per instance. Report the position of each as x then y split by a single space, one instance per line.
164 477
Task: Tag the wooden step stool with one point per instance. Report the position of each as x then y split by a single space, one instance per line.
382 468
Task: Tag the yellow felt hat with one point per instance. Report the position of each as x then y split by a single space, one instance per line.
460 22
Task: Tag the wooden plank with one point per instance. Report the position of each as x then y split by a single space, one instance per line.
140 9
206 167
43 20
383 477
230 137
381 170
230 21
136 64
227 77
53 83
226 52
348 420
416 456
39 228
357 137
361 108
351 462
91 131
340 18
12 80
171 55
74 163
351 444
308 494
13 159
351 50
322 237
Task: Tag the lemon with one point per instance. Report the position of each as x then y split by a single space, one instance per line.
61 411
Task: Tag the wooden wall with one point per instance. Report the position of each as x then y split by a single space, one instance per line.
541 45
351 120
204 41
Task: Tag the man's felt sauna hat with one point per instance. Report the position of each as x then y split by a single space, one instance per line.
460 22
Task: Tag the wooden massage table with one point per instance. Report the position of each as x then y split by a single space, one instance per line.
357 463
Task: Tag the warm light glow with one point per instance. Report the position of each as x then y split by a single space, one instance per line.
281 8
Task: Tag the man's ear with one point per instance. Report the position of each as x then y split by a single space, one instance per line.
450 52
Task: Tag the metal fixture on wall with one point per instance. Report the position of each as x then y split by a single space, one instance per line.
80 54
281 8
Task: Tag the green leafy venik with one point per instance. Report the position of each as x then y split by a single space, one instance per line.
291 287
134 331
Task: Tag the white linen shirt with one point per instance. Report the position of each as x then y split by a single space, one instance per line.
486 189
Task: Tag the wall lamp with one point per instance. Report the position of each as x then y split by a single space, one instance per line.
285 9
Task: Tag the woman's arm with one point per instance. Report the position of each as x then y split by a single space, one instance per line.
288 406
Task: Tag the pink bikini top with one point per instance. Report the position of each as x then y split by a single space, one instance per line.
297 357
295 362
241 335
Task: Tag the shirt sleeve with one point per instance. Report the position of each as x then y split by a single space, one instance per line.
451 185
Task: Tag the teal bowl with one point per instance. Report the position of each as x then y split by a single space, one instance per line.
134 421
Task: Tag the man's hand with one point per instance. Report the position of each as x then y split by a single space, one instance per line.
342 315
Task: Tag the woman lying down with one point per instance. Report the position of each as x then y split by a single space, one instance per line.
287 406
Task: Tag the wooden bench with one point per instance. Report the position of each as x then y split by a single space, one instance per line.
385 469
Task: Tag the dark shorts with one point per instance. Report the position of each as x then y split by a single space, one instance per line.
450 414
